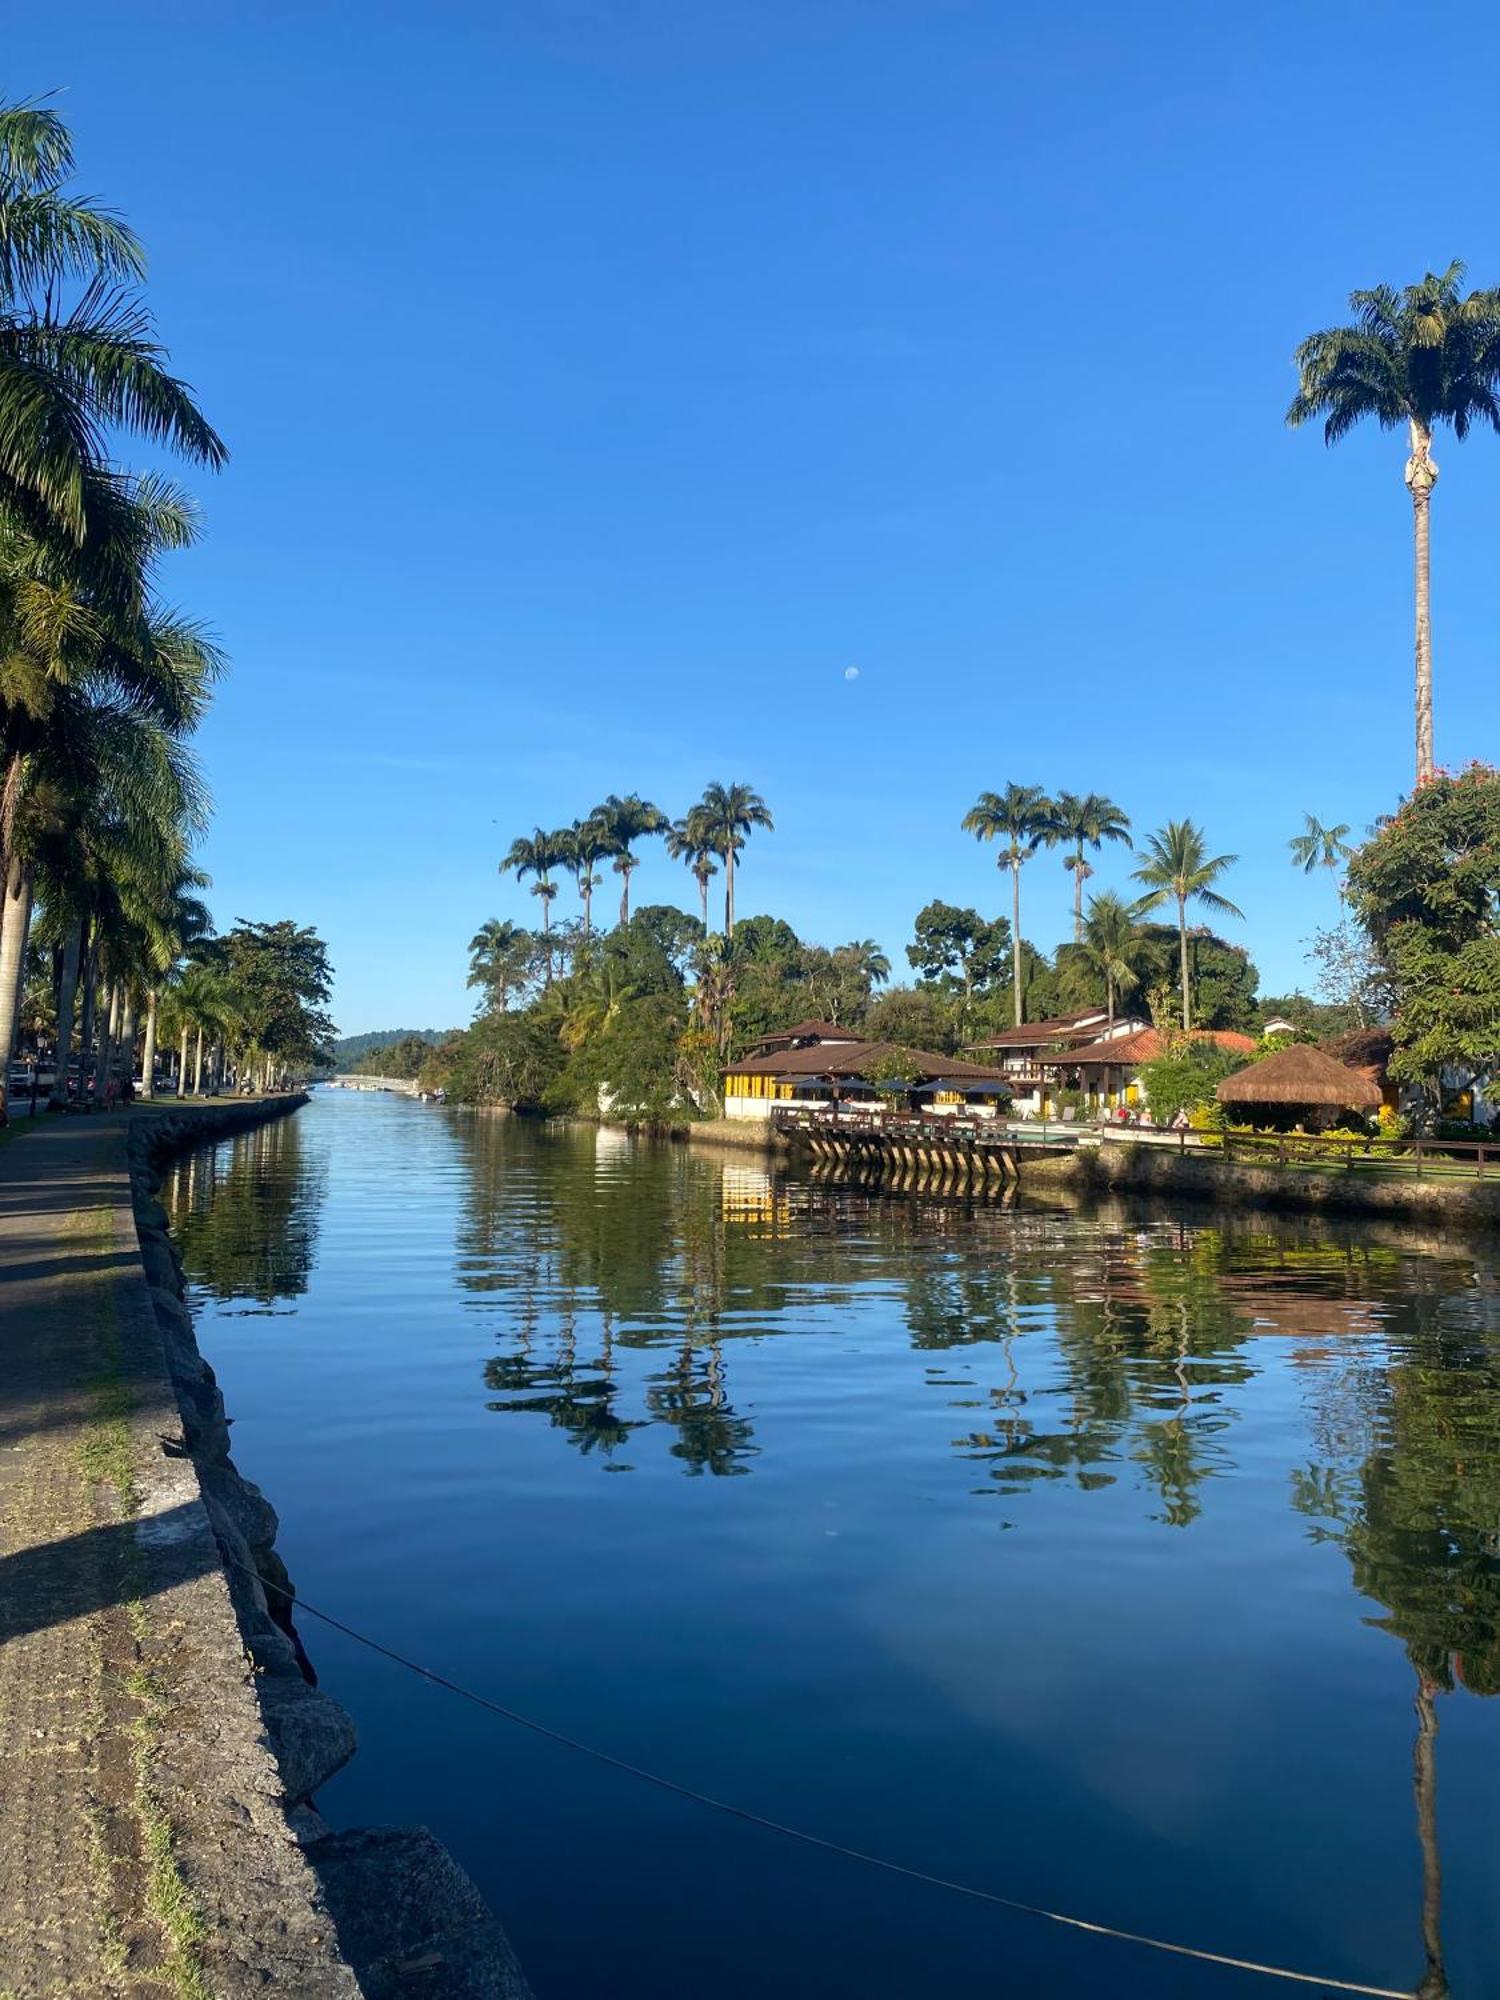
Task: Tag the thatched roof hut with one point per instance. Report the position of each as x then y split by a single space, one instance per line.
1301 1075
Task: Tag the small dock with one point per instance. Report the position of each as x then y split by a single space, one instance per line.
914 1145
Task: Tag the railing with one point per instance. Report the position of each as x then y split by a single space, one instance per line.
871 1122
1432 1159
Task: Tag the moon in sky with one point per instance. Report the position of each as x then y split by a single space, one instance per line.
851 673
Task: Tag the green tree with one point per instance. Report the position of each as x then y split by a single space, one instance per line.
1426 355
537 855
499 953
956 947
1319 846
281 981
622 822
1023 818
1112 947
1082 821
585 844
1177 868
691 839
1426 889
921 1017
78 354
728 815
1186 1075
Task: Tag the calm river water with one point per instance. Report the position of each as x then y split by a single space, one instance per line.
1138 1565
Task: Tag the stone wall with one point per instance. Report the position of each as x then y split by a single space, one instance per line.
409 1922
1446 1204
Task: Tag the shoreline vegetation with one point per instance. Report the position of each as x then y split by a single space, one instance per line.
635 1024
638 1023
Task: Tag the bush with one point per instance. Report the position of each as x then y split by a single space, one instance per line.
1460 1128
1187 1075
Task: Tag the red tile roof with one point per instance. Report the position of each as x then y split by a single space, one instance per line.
1146 1044
1037 1034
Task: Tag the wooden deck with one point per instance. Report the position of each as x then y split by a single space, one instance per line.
979 1151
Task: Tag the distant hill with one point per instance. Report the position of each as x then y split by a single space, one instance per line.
349 1048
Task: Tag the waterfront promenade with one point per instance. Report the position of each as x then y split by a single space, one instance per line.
143 1848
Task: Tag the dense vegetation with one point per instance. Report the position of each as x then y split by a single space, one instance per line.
361 1054
639 1019
104 941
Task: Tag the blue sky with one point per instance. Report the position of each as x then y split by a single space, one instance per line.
603 381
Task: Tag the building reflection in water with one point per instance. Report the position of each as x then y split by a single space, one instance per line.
1094 1349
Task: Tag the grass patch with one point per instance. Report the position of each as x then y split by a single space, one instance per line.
106 1452
107 1455
168 1897
106 1449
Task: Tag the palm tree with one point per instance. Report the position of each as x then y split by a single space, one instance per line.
1085 821
78 353
588 844
1319 846
1177 868
1426 355
621 823
866 960
1111 947
103 798
690 839
1023 817
496 952
730 814
171 923
538 854
204 1006
715 970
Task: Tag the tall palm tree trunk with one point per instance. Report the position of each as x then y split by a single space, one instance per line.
182 1049
127 1040
105 1059
1421 477
148 1052
1182 953
1080 871
86 1015
1434 1984
1015 933
703 902
15 927
624 897
198 1067
586 890
67 1001
729 893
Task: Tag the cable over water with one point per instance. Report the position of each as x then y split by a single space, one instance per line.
732 1811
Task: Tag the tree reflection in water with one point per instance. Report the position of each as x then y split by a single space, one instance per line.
1148 1328
244 1214
1409 1487
1110 1350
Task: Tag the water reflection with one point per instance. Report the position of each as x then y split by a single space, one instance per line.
245 1215
1092 1354
1185 1387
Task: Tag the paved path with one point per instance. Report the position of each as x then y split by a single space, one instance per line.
142 1847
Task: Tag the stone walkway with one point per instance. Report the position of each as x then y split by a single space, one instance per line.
143 1849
